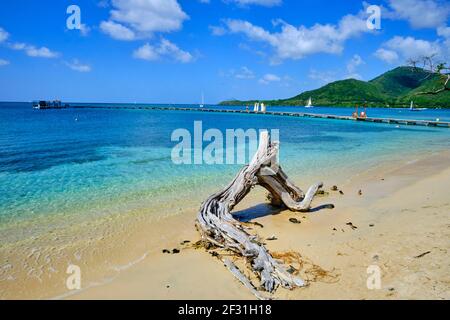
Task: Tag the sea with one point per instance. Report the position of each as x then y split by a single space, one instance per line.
63 168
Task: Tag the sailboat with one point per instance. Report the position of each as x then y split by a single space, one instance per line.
411 107
309 105
263 107
203 101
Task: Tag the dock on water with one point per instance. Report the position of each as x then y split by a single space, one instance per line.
412 122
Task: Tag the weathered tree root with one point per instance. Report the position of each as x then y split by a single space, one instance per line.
218 227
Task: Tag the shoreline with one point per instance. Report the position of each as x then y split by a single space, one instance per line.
137 251
159 276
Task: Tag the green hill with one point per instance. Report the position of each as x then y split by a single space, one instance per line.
439 100
394 88
400 81
344 92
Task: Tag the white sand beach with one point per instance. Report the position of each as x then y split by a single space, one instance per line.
400 224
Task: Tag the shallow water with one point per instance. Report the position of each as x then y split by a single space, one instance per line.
89 186
61 167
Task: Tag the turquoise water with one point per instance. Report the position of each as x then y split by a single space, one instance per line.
89 163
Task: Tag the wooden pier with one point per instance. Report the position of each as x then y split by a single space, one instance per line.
412 122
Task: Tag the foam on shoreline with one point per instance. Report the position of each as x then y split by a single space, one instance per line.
128 237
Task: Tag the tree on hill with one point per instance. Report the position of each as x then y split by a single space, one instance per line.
433 67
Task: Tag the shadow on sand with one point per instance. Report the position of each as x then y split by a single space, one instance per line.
258 211
264 209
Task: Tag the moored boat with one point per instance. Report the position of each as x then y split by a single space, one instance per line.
412 108
43 104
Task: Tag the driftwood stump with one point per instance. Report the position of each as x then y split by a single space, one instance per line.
218 227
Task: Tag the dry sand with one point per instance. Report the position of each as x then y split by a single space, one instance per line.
402 226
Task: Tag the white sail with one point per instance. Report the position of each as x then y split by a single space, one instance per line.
203 101
263 107
309 105
412 108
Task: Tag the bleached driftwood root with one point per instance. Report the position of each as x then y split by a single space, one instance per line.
218 227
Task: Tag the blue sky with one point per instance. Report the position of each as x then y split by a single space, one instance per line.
170 51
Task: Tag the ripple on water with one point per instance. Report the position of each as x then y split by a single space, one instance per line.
65 186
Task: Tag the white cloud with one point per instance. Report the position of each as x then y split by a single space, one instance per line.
42 52
3 35
146 52
354 63
297 42
164 49
355 75
117 31
18 46
322 76
78 66
265 3
268 78
328 76
217 30
134 19
420 13
386 55
3 62
243 73
85 29
103 3
246 3
444 32
408 48
352 67
32 51
246 47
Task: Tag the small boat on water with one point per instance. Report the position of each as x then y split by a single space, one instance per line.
203 101
263 107
412 108
42 104
309 105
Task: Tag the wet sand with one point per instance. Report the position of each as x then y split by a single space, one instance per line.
399 222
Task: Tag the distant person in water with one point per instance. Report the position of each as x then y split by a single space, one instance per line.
246 108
